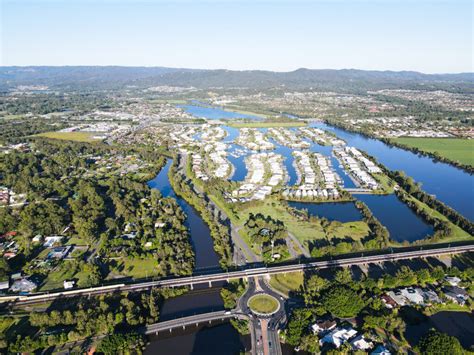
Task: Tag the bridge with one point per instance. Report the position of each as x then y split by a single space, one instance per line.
197 319
243 273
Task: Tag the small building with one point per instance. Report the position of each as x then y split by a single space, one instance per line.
69 284
37 238
359 343
23 285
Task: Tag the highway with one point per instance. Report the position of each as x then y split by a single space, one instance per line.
245 273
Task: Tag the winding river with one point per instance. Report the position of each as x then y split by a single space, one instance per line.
202 299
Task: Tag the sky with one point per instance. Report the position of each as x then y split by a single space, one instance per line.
430 36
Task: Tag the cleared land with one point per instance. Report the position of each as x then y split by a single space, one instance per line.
263 304
287 283
455 149
71 136
268 124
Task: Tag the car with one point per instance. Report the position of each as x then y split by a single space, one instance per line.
227 312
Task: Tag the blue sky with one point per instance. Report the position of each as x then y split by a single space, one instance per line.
428 36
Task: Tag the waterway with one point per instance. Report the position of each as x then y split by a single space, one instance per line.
220 339
400 220
333 211
449 184
457 324
201 300
200 235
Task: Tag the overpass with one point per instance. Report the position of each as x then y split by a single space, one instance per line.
244 273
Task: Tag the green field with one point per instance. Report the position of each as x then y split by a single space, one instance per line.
263 304
456 149
304 231
267 124
70 136
287 283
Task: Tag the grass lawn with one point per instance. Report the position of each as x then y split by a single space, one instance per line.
263 304
138 268
456 149
64 272
70 136
386 184
286 283
268 124
304 231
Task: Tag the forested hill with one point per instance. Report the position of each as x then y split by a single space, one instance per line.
93 77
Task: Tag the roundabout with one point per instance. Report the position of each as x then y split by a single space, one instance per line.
263 304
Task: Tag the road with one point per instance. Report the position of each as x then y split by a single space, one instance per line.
244 273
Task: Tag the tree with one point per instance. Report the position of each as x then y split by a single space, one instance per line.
439 343
297 325
342 302
310 343
343 276
131 343
314 285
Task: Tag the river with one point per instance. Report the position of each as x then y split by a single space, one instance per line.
449 184
200 300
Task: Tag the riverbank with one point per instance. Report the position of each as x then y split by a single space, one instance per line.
468 168
455 151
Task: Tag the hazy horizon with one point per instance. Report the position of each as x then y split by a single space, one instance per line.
429 36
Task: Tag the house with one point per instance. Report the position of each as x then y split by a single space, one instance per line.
4 284
338 336
381 350
323 326
52 240
453 281
413 295
59 252
456 294
69 284
23 285
359 343
389 301
37 238
397 297
430 297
